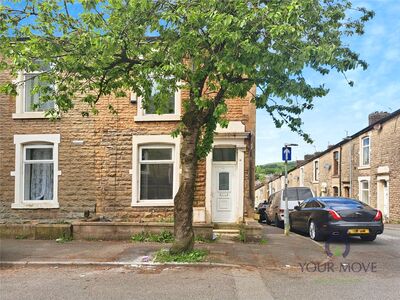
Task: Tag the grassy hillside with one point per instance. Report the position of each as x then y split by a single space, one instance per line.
273 168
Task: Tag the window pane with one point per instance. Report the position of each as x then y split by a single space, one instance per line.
157 154
366 142
39 153
38 181
156 181
32 80
30 99
165 103
224 154
223 181
365 155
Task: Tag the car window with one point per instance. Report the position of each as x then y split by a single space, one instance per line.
304 203
343 203
312 204
297 194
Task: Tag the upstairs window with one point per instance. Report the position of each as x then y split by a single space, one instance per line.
316 170
28 102
365 151
165 106
336 163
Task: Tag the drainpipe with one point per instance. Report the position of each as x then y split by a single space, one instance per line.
351 171
340 171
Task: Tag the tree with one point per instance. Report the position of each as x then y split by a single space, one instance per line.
216 49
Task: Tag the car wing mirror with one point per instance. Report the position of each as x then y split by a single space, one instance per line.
297 207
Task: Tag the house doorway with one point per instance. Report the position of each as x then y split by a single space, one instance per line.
224 195
383 197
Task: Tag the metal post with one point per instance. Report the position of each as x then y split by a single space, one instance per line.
286 219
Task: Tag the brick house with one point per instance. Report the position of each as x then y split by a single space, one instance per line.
123 167
365 166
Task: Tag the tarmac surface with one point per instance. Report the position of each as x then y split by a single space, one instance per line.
282 268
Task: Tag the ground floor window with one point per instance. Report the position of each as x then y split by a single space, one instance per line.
335 191
156 173
36 171
155 170
364 191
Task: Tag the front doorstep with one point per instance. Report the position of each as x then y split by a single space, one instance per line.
125 230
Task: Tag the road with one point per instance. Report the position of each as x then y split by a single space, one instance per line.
220 283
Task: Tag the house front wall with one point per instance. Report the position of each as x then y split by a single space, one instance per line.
95 161
382 173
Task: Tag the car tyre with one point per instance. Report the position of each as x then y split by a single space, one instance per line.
278 223
368 238
314 232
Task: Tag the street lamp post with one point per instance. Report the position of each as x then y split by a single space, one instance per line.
286 152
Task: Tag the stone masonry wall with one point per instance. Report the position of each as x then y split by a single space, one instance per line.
95 176
384 164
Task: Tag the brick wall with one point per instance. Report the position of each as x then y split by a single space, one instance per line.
95 175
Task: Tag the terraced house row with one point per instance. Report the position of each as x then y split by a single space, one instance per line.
122 167
365 166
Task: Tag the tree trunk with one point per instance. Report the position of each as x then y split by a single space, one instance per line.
183 201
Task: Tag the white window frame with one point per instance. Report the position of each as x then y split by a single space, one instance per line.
141 115
301 176
20 112
316 176
22 141
360 189
153 141
362 165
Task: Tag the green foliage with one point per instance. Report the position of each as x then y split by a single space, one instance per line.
64 238
263 241
101 48
162 237
188 257
277 168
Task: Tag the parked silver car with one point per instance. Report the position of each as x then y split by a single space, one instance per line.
276 203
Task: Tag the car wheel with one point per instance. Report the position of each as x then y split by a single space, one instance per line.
314 232
290 225
277 222
368 238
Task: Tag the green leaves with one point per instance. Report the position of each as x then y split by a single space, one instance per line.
214 49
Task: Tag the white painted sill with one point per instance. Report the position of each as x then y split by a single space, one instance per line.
152 203
30 115
364 167
35 205
152 118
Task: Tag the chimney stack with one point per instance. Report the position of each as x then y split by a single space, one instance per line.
376 116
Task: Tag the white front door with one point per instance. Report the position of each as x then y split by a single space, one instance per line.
223 194
385 200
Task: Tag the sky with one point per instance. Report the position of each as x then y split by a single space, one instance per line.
344 111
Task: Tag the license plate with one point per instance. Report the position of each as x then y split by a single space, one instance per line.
358 231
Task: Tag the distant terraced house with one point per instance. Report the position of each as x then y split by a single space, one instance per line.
121 167
365 166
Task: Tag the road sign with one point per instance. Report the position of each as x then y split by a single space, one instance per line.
286 153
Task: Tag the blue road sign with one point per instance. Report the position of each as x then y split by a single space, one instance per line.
286 153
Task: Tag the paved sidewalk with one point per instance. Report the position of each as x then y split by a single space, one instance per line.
277 252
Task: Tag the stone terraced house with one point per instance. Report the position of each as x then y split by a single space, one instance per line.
365 166
121 167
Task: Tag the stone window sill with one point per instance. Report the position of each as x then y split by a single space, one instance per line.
152 118
153 203
36 205
29 115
